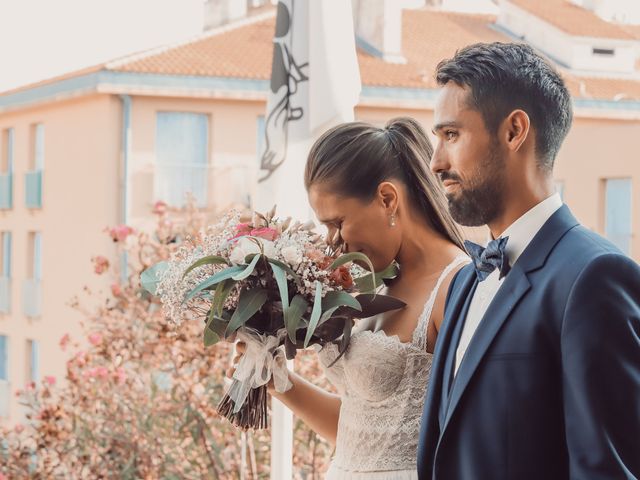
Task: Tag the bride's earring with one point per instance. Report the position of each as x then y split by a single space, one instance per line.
392 220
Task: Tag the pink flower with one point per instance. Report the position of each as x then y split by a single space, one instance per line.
102 372
116 291
120 233
50 380
159 208
266 233
19 428
64 341
100 264
95 339
3 477
242 230
19 392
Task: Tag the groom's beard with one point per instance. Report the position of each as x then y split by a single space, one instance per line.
482 201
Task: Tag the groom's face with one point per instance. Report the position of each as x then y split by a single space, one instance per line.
467 158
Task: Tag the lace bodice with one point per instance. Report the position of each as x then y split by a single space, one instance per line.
382 384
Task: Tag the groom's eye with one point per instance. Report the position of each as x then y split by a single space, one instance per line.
450 134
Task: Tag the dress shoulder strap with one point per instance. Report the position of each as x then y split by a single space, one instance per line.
420 333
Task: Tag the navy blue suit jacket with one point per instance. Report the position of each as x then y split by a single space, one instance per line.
549 387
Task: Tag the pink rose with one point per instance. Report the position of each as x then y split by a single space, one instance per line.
102 372
50 380
95 339
242 230
266 233
19 428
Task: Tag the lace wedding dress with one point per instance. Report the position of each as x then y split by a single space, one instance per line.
382 384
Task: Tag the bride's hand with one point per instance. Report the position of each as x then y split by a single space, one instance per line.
241 348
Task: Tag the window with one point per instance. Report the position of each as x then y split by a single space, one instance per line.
182 144
617 219
6 167
37 132
5 266
6 170
606 52
33 361
4 358
35 255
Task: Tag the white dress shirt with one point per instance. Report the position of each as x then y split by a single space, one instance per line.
520 233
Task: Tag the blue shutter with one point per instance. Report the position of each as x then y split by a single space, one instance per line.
618 213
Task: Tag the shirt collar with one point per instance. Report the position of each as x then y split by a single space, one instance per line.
522 231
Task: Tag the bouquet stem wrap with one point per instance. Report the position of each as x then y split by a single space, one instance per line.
245 403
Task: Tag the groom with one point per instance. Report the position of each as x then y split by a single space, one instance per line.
537 365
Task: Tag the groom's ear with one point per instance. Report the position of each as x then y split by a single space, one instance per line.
516 129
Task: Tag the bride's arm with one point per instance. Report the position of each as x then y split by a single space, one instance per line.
316 407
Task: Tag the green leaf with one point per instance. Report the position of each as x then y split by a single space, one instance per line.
315 314
293 314
220 296
351 257
249 303
214 279
367 284
150 278
281 278
210 337
339 299
285 267
210 260
249 269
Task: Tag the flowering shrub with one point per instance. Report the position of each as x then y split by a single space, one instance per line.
139 395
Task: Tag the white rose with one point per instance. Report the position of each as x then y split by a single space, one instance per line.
247 246
291 255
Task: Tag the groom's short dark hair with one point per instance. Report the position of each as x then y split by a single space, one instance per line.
503 77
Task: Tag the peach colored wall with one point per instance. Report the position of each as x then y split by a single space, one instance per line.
80 198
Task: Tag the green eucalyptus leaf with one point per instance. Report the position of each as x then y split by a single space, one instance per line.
339 299
248 270
209 260
249 303
281 279
210 337
286 268
214 280
150 278
223 289
293 314
315 314
369 282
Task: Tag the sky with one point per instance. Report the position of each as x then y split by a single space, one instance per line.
44 38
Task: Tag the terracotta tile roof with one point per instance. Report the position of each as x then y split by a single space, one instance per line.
429 36
573 19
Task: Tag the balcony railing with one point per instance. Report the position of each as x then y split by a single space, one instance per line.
5 295
212 186
33 189
32 298
6 191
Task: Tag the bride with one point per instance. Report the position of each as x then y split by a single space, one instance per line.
374 191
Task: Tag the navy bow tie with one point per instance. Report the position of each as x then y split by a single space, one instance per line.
486 260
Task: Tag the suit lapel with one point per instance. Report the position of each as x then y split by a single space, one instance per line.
512 290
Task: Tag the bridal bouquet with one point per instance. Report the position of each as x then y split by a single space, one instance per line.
277 286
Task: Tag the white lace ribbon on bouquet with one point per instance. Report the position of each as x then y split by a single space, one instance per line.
261 361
